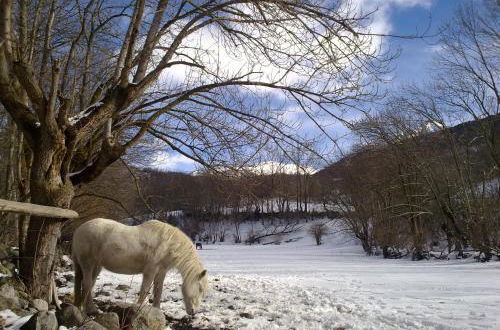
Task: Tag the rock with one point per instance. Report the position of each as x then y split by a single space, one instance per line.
67 262
9 265
3 322
122 287
138 317
7 291
41 321
69 277
4 254
16 284
17 305
110 321
69 315
11 295
103 293
40 305
246 315
67 298
10 303
14 253
61 282
91 325
4 270
9 298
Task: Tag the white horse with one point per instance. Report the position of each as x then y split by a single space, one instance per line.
152 248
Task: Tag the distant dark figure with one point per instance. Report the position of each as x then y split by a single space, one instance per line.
199 246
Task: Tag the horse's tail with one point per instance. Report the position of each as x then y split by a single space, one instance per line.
77 295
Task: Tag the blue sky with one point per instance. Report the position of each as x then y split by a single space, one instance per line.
413 63
398 17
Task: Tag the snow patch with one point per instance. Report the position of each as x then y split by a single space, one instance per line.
76 118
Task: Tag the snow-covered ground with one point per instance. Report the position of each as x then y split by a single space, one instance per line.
300 285
334 286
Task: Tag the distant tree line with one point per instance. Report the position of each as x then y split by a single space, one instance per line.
411 186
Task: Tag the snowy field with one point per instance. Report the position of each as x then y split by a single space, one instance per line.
334 286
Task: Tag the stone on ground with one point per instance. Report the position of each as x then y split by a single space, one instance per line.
7 291
144 317
110 321
91 325
41 321
69 316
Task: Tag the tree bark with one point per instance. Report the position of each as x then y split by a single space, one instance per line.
10 191
10 172
24 162
47 188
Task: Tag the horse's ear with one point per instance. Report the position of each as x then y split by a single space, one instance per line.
203 273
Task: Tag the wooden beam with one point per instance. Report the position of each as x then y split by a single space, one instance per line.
38 210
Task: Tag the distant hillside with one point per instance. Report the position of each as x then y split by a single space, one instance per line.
469 133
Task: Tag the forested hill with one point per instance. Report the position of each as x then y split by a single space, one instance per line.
414 190
475 133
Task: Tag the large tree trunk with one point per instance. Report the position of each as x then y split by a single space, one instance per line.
25 159
10 192
47 188
418 240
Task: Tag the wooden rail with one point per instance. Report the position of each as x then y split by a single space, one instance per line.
38 210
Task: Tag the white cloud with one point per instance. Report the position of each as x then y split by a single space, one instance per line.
221 59
381 20
173 162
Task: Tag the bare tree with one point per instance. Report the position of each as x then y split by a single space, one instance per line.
84 81
273 228
466 86
317 231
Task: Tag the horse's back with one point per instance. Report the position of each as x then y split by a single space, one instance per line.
118 247
127 249
155 225
95 234
96 226
94 230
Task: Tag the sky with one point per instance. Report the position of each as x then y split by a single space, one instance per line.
413 63
397 17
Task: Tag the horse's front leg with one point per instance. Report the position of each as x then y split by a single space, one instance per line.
147 279
158 286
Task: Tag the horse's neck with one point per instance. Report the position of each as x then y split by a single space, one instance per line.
188 269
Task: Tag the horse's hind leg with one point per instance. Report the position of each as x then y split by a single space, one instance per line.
89 277
158 287
77 293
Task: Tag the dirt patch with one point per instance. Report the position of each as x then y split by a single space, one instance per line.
186 324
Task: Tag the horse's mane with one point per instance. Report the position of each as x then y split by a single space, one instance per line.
180 248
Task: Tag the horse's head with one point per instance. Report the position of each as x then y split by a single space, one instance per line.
194 290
